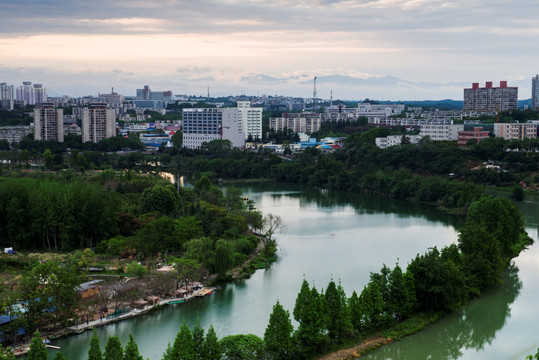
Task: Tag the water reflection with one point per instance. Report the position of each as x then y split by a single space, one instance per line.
363 204
472 327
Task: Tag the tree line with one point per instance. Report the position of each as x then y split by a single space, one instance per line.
435 282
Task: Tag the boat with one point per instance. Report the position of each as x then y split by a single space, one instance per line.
203 292
176 301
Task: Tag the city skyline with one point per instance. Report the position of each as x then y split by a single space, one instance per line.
383 49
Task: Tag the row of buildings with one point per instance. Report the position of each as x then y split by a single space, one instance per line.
98 122
464 133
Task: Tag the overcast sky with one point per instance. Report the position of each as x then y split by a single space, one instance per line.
381 49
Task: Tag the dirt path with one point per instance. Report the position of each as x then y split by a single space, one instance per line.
237 269
356 351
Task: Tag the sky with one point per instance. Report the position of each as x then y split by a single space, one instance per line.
377 49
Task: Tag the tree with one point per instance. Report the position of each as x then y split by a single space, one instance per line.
242 347
6 353
372 306
272 224
278 334
87 258
136 269
212 349
131 350
59 356
184 347
309 313
94 352
189 270
355 313
38 350
113 349
518 192
177 139
161 199
198 340
224 256
339 325
48 159
400 300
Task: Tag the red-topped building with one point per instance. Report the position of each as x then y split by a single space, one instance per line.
490 98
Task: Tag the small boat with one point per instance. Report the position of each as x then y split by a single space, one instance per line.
176 301
79 331
52 347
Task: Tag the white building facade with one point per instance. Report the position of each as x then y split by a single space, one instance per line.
7 97
441 132
251 119
31 94
48 123
208 124
98 123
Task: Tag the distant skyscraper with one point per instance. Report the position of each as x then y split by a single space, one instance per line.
48 122
489 98
535 92
98 123
6 96
31 95
251 119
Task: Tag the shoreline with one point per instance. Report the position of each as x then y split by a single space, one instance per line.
90 325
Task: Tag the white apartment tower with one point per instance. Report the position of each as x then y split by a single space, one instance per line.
48 123
98 123
251 119
6 97
535 92
31 94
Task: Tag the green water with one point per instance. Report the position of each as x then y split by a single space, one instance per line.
345 236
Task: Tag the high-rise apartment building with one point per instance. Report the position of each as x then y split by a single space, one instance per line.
98 123
48 122
31 94
251 119
490 98
535 92
6 97
205 124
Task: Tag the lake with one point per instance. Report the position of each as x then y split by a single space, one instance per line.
343 236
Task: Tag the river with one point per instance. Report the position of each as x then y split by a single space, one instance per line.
343 236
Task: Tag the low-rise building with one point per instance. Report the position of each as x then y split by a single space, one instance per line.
394 140
441 132
516 131
14 134
478 134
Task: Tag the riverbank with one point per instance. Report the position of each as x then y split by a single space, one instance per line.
111 318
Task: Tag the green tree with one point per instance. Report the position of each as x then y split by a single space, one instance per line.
401 303
6 353
198 340
38 350
177 139
161 199
59 356
356 314
339 325
94 352
113 349
372 306
212 349
307 312
518 192
184 347
242 347
278 334
136 269
48 159
131 350
224 256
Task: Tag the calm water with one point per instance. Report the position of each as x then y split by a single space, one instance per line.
345 236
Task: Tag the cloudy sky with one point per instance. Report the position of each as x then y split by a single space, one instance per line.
381 49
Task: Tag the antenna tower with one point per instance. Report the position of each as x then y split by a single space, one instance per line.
314 91
208 93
